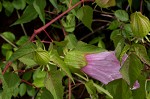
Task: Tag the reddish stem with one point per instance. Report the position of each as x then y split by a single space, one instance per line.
6 67
141 6
55 19
69 88
48 35
29 83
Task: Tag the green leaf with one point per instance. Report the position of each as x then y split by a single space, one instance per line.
12 79
27 75
54 3
69 23
130 3
38 78
53 82
122 15
8 7
46 94
88 48
54 57
72 41
31 91
114 25
39 6
91 89
141 89
116 36
9 36
85 14
131 69
119 48
22 89
19 4
26 49
29 14
105 3
141 52
119 89
101 89
22 40
8 54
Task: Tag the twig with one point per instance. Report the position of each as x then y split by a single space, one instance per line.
55 19
141 6
69 88
48 35
8 41
6 67
24 31
29 83
102 27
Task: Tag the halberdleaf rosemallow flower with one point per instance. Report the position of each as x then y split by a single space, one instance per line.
103 66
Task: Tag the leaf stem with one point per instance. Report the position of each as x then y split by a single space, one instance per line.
55 19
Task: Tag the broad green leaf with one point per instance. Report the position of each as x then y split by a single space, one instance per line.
131 69
27 75
28 60
140 92
114 25
119 48
6 47
31 91
38 78
116 36
119 89
122 15
105 3
8 54
22 40
53 82
19 4
12 79
29 14
54 57
85 14
8 7
46 94
26 49
69 23
72 41
124 51
9 36
91 89
88 48
39 6
101 89
141 52
54 3
22 89
101 44
1 6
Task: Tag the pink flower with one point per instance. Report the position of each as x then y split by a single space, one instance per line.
104 67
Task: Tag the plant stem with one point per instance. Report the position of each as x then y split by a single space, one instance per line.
24 31
69 88
55 19
8 41
6 67
141 6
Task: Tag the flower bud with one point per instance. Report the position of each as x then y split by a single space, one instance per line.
41 56
140 24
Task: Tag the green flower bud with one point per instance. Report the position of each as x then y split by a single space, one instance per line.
140 25
41 56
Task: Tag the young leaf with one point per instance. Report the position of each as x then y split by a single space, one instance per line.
39 6
114 25
105 3
22 89
8 7
119 89
131 69
19 4
9 36
53 82
29 14
85 14
54 3
22 40
122 15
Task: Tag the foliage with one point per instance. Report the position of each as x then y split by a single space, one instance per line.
52 67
